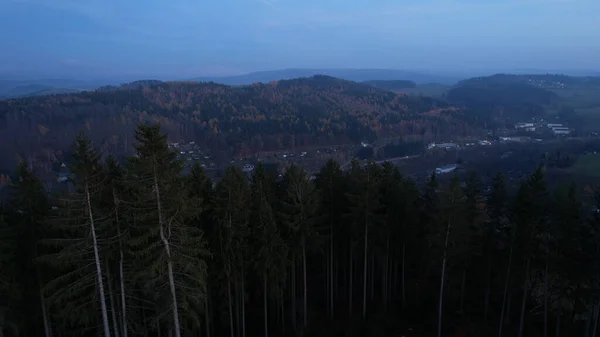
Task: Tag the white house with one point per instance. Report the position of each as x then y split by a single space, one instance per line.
446 169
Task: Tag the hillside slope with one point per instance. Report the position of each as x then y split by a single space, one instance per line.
315 111
575 100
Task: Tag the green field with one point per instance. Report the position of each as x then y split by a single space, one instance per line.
587 165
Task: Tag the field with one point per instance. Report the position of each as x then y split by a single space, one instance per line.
587 165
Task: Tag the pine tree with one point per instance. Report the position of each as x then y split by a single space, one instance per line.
269 256
231 212
79 242
200 193
172 252
300 206
114 194
365 206
329 183
28 199
9 297
454 209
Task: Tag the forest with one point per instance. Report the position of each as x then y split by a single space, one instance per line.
236 121
139 249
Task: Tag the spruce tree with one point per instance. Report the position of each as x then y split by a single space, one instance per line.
329 183
170 250
9 295
269 256
231 214
79 243
300 206
28 199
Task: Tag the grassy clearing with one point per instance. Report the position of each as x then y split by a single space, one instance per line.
588 165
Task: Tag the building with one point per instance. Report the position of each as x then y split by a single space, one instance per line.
561 131
445 169
551 125
524 125
443 146
484 142
248 168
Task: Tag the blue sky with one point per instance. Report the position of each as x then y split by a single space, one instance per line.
188 38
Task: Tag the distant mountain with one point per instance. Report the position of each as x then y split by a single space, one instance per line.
393 85
520 97
357 75
24 88
304 112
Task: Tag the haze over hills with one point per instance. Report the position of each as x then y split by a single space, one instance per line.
315 111
430 82
357 75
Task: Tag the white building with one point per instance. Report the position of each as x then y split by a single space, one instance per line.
523 125
561 131
554 125
446 169
248 168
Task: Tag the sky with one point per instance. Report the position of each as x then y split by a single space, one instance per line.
189 38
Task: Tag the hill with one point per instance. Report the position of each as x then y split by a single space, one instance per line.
358 75
391 85
574 99
315 111
25 88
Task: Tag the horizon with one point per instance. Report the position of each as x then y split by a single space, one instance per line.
186 39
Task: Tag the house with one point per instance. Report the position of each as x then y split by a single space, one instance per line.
561 131
523 125
484 142
446 169
62 177
551 125
443 146
248 168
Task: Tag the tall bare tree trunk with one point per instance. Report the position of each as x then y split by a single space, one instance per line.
486 301
546 291
167 247
331 276
121 272
443 279
350 278
230 305
304 280
462 290
506 283
113 308
47 326
207 309
403 275
364 311
294 310
98 263
524 302
265 304
243 299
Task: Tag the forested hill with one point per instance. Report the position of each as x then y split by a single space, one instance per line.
314 111
505 96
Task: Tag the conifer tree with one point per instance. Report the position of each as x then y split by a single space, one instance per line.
114 195
300 206
269 256
231 212
79 242
454 209
200 192
365 206
9 323
172 252
329 183
28 199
